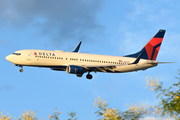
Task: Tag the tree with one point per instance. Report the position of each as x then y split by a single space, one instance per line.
134 112
169 105
72 115
26 115
55 115
170 102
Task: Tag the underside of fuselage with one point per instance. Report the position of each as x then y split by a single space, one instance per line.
118 69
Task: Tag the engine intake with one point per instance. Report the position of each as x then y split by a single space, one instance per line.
75 69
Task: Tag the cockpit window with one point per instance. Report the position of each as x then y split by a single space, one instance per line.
16 53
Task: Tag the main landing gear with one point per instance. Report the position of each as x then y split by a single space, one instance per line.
89 76
79 75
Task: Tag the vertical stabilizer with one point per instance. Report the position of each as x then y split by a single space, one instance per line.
151 49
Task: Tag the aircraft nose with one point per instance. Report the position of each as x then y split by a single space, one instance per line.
9 58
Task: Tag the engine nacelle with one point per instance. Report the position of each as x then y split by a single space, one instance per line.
75 69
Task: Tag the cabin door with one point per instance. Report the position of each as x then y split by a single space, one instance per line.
29 56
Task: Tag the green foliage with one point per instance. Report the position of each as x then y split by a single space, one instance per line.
170 102
72 115
55 115
31 115
26 115
169 105
169 98
134 112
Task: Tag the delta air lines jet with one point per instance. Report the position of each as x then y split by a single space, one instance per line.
80 63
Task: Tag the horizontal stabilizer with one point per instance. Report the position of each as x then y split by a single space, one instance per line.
165 62
156 62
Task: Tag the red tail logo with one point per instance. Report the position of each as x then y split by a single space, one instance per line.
152 48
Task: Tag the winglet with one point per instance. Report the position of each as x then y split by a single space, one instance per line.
137 59
77 47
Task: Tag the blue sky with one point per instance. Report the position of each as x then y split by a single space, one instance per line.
104 27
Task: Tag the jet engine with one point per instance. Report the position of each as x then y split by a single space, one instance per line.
75 69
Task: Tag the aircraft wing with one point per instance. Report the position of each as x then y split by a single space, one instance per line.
105 68
101 68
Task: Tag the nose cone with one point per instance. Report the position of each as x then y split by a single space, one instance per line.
9 58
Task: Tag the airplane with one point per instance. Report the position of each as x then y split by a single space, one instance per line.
80 63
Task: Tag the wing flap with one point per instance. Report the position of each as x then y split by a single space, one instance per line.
101 68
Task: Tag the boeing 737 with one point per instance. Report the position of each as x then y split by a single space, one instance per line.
80 63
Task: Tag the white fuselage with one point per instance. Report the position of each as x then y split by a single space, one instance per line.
58 60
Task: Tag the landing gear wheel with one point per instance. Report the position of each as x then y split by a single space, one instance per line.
21 70
79 75
89 76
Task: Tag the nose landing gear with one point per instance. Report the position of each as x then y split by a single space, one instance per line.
21 70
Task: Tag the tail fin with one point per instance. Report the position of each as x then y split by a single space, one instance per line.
151 49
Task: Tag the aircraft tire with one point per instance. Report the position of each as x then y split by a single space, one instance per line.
21 70
79 75
89 76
